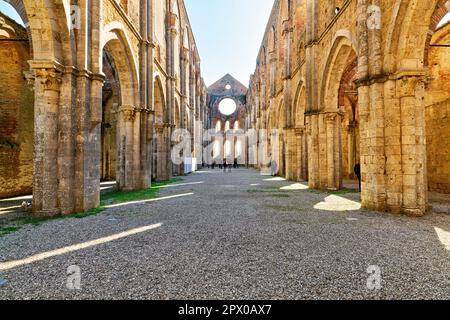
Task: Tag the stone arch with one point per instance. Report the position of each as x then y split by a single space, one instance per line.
160 102
50 34
117 43
177 114
342 51
410 31
299 106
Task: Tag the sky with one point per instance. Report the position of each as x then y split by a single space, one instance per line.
228 34
9 11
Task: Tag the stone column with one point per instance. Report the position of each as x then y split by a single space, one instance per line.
312 123
331 127
411 91
299 137
48 78
351 148
273 75
291 155
171 34
127 116
66 142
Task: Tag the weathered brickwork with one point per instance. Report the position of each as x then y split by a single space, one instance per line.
358 81
437 112
106 89
16 115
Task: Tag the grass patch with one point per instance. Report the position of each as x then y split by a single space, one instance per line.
108 198
7 230
116 197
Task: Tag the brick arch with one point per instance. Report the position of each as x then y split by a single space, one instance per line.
347 81
441 10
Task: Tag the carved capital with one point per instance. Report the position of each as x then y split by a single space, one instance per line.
299 132
128 112
51 79
159 128
331 117
407 86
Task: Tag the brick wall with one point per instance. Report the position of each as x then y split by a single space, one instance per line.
16 121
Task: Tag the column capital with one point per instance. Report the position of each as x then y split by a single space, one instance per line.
407 84
129 112
331 117
48 73
300 131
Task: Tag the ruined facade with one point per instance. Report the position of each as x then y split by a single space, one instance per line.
358 81
91 92
228 128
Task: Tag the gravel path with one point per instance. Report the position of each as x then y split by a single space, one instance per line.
232 236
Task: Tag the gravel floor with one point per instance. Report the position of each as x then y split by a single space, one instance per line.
238 235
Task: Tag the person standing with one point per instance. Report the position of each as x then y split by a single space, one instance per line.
358 174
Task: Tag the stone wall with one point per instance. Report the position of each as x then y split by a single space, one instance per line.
382 55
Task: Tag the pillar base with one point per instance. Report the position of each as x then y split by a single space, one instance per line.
413 212
47 213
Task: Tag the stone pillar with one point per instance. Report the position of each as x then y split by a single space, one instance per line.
351 148
330 119
292 163
301 154
312 123
171 34
48 78
273 75
127 117
411 92
66 142
163 152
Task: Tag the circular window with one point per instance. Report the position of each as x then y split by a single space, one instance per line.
228 87
227 106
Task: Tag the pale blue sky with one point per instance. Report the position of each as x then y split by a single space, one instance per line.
8 10
228 34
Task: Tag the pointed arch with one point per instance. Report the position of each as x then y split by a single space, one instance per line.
160 101
115 40
299 105
343 50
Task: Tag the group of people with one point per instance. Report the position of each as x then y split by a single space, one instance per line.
224 165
